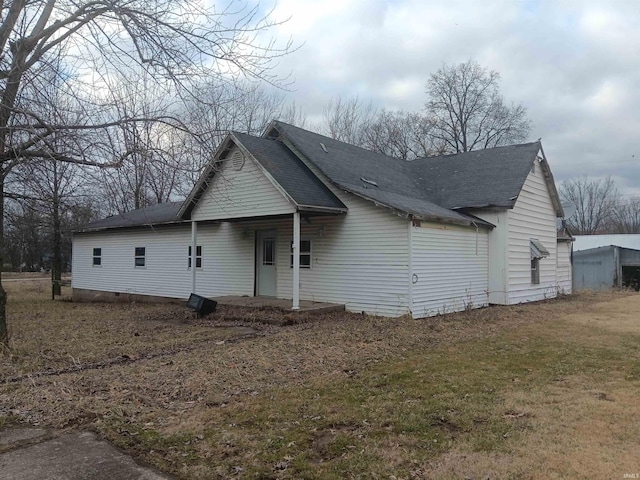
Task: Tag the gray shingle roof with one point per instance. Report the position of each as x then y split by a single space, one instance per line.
162 213
437 188
289 171
481 178
411 205
347 164
425 187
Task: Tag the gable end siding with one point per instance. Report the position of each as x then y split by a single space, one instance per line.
240 194
533 216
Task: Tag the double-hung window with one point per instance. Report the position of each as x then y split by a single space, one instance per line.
140 256
97 257
535 271
538 251
198 256
305 254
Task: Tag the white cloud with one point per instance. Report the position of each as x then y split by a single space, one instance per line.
574 64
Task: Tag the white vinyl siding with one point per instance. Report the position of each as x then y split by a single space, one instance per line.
240 194
533 216
564 268
498 272
227 267
450 268
164 273
359 259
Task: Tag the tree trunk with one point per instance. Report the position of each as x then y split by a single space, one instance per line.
4 330
56 264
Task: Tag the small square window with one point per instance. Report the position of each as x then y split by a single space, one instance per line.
140 256
305 254
97 257
198 257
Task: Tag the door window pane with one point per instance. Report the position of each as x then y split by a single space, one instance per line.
268 254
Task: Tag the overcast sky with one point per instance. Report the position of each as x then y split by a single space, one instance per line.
575 65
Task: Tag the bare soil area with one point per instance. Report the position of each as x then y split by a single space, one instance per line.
545 390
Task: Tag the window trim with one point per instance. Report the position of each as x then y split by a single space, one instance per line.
309 253
198 257
96 256
137 256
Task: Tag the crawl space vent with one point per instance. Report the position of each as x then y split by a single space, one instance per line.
237 160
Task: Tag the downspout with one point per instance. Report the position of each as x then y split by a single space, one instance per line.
295 249
410 266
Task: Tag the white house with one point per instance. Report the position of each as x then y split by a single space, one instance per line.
297 215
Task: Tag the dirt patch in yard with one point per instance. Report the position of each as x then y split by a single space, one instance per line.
497 392
619 316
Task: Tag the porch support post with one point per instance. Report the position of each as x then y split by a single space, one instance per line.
295 250
194 243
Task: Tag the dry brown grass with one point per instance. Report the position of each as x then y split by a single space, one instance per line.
531 391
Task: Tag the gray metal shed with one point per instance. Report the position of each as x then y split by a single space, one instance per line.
606 267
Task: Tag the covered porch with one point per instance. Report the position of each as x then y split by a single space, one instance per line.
279 261
262 197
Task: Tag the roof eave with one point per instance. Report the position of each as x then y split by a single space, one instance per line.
551 184
486 206
121 227
416 215
320 209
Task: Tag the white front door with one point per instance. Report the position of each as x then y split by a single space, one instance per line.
266 264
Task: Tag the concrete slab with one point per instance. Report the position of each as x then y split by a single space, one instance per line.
73 456
279 303
18 436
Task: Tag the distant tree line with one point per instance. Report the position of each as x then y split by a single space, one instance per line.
599 207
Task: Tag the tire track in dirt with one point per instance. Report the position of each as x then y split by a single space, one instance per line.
126 359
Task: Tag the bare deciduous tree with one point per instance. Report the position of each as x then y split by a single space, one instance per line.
404 135
626 216
595 200
176 42
468 111
346 120
151 172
